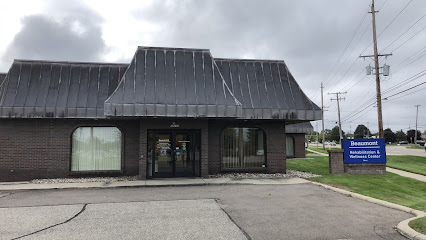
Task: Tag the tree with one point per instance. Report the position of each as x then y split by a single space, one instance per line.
389 135
400 136
411 135
327 134
361 131
334 134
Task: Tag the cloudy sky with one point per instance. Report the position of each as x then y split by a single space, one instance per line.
319 40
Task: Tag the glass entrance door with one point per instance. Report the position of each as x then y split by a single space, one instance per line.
163 166
173 153
184 162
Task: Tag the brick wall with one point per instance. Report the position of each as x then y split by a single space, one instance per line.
275 143
41 148
366 168
299 145
335 161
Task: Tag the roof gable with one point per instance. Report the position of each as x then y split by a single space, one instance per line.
173 82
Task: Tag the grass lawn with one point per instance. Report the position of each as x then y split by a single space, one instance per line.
319 148
414 164
419 225
416 147
389 187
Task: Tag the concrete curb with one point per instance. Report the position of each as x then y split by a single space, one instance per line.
402 227
150 183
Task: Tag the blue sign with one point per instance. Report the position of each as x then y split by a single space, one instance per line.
364 150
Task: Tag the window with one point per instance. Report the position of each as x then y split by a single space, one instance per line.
243 148
96 149
289 146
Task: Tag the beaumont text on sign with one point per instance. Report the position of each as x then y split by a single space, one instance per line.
364 150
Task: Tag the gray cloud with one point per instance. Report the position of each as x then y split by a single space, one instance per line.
309 36
74 35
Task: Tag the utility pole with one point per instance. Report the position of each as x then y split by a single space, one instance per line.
338 111
376 66
415 134
322 116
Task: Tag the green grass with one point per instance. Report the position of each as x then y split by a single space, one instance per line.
416 147
319 148
414 164
419 225
388 187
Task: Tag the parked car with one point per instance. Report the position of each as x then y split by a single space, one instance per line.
403 142
420 142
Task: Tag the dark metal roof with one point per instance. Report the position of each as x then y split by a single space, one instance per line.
2 77
267 90
304 127
173 82
159 82
42 89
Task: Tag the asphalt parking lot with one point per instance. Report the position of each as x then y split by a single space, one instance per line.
297 211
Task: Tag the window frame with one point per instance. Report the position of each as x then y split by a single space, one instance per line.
98 172
294 146
253 169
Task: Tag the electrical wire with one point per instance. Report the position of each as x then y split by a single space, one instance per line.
393 20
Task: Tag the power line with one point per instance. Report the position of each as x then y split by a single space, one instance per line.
402 44
407 89
405 32
391 89
388 25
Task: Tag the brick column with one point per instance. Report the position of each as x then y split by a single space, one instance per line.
335 159
142 150
275 146
204 150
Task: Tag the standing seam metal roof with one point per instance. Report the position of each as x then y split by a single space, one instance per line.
42 89
159 82
267 90
175 82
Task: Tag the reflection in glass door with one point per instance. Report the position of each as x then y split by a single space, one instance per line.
163 162
184 161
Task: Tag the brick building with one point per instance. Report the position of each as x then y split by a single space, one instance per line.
169 113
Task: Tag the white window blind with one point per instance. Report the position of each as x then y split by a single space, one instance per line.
96 149
243 148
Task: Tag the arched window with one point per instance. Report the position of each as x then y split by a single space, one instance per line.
243 148
289 146
96 149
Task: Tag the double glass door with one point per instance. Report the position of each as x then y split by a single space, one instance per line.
173 153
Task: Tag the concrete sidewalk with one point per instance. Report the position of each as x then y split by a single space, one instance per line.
407 174
9 186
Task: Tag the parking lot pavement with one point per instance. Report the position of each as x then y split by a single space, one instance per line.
403 150
299 211
181 219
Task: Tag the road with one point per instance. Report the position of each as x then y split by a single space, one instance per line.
403 150
297 211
